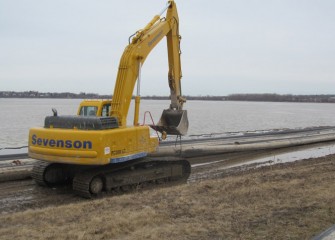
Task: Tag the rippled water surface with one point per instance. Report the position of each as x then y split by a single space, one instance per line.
18 115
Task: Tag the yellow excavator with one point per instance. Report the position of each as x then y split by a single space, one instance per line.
95 149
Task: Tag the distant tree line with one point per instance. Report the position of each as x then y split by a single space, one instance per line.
265 97
35 94
272 97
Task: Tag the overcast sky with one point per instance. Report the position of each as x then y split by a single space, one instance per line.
235 46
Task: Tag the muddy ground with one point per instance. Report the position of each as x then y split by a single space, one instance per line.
282 201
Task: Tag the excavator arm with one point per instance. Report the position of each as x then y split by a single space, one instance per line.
173 120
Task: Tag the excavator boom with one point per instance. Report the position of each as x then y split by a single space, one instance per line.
174 120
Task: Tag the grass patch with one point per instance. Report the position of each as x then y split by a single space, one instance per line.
286 201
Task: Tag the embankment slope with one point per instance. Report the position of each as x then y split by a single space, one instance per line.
284 201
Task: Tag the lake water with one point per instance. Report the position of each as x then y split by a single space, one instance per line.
205 117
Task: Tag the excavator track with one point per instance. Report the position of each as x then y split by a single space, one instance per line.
94 182
52 174
38 172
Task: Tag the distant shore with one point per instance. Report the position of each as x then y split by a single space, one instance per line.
259 97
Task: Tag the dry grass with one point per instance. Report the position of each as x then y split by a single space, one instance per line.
288 201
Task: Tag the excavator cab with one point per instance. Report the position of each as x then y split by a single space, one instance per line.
172 122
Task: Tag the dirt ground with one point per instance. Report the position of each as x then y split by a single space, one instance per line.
283 201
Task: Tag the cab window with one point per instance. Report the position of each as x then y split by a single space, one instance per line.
105 110
88 111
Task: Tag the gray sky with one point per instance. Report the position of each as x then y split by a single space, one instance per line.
235 46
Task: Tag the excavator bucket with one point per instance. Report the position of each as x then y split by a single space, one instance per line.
172 122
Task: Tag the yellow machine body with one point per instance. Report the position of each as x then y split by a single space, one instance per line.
91 147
